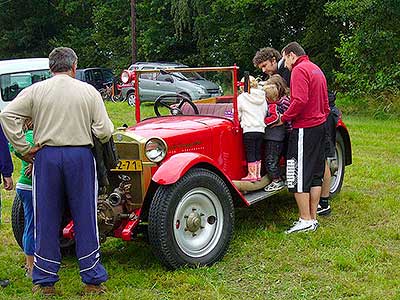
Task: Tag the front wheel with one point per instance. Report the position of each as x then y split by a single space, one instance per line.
191 221
131 98
337 166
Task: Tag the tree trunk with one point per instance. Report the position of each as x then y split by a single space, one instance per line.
133 29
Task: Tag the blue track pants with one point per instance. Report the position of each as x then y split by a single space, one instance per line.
27 239
65 174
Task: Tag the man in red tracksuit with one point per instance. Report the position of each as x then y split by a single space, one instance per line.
308 111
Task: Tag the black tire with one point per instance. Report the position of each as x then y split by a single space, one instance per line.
114 98
67 246
337 166
104 95
17 220
130 98
186 215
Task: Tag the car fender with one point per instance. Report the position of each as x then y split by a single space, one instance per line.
177 165
341 128
172 169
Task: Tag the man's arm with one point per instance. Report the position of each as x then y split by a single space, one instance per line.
102 127
298 94
6 166
12 119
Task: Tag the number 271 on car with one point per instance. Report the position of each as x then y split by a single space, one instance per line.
128 165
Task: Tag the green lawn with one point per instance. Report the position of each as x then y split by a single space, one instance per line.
355 254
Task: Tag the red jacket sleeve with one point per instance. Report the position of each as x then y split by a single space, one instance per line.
273 115
298 94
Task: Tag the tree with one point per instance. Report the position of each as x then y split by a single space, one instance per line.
370 49
26 28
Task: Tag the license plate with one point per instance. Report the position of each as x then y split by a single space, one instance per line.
128 165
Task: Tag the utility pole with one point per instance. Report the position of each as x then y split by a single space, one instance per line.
133 29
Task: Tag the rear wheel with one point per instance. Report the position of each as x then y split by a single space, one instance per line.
337 166
191 221
17 220
67 246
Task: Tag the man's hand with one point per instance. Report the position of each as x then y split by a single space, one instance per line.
8 183
279 123
29 157
28 170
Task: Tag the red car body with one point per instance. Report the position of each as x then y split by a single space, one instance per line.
185 199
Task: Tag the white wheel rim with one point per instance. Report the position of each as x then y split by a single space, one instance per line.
336 165
198 222
131 99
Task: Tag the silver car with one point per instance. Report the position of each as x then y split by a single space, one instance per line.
152 85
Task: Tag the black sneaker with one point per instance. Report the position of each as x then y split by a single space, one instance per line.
324 209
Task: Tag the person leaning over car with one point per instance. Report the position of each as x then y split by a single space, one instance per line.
271 62
65 112
308 112
6 169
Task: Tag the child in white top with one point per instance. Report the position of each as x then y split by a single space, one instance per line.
252 109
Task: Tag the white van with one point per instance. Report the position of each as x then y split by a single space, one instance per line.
17 74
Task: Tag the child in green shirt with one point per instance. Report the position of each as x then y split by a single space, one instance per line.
24 192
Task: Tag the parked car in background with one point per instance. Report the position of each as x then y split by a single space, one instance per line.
17 74
152 85
97 77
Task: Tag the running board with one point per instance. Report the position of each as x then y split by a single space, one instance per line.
257 196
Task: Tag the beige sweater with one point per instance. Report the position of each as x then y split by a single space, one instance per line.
64 111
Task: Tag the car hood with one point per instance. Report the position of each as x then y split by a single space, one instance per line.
173 126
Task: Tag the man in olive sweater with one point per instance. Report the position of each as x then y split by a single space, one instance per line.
65 113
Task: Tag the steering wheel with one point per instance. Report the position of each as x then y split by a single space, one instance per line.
174 108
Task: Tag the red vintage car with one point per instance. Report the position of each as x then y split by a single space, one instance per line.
178 177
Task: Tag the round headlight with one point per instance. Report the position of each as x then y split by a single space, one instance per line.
125 76
155 149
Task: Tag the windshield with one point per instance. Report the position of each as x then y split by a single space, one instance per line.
190 75
12 84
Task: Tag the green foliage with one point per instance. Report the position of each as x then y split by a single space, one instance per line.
26 27
353 255
370 48
356 42
380 106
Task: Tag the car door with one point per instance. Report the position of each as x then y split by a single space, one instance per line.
98 79
108 76
89 77
147 85
165 84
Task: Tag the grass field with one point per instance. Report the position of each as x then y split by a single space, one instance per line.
355 254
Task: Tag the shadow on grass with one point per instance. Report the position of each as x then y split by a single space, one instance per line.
278 212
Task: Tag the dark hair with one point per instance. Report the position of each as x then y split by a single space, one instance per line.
62 59
295 48
280 84
265 54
